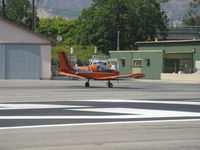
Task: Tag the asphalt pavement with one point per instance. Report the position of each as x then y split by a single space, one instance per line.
62 90
65 115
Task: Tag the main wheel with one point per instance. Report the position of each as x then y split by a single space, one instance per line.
110 85
87 84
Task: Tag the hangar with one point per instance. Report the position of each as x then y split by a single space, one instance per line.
24 54
157 57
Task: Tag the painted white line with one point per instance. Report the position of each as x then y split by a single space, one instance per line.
142 113
66 117
130 113
36 106
99 123
144 101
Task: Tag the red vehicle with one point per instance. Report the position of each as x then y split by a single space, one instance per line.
97 70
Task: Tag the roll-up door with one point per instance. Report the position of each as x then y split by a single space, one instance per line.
22 62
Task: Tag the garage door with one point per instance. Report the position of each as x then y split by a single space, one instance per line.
22 62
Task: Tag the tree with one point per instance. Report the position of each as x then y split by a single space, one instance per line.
192 18
18 11
58 26
136 20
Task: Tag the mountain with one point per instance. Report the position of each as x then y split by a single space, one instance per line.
175 9
66 8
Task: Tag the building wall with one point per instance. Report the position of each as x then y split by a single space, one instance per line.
155 60
151 71
2 61
169 47
24 54
180 77
155 55
196 56
25 61
45 62
121 56
12 33
184 33
176 48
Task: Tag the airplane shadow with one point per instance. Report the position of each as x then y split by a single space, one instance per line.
102 87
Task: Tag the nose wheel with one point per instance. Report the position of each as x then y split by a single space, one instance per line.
87 84
110 85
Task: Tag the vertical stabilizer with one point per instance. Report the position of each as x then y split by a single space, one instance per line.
65 63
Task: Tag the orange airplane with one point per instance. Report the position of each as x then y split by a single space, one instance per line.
98 70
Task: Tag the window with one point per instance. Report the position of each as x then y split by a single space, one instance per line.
123 62
147 62
137 63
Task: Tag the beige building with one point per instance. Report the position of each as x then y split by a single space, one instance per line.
24 54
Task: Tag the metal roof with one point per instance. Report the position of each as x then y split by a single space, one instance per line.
167 42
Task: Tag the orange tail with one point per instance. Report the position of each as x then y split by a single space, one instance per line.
65 63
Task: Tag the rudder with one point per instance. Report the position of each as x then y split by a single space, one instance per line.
65 63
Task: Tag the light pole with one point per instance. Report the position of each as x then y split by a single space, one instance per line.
118 40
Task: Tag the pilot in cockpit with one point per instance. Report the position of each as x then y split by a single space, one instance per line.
104 65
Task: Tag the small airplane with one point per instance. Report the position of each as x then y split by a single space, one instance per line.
98 70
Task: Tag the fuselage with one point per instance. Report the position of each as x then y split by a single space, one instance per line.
94 72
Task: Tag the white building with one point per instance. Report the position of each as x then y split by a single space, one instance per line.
24 54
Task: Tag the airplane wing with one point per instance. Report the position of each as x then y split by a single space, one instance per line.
69 74
135 75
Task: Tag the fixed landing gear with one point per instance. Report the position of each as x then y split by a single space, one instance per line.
87 84
110 85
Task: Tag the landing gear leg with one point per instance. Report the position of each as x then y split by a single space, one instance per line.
110 85
87 84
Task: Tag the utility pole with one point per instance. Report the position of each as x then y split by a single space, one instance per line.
118 40
3 4
33 15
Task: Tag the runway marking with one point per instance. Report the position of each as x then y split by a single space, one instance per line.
142 113
130 113
35 106
116 113
99 123
144 101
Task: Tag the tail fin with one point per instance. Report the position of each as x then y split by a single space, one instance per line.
65 63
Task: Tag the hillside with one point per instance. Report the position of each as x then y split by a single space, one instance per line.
175 9
66 8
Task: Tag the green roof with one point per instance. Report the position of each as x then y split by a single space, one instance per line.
168 42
